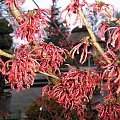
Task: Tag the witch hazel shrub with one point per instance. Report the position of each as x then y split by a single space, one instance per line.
73 89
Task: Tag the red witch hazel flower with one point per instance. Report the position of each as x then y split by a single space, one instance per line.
72 10
75 90
20 70
101 7
33 25
114 39
84 44
111 71
50 57
101 30
110 110
113 35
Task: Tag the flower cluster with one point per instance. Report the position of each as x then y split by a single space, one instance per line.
75 90
102 8
114 38
112 35
101 31
33 25
111 71
76 87
110 109
73 10
50 57
84 44
19 71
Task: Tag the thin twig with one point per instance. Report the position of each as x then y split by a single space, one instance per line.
36 4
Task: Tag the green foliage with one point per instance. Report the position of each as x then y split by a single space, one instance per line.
56 27
2 84
4 28
5 44
5 38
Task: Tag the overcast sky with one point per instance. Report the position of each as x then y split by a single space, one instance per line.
62 3
29 5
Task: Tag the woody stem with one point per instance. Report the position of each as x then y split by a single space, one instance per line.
5 54
93 38
53 78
